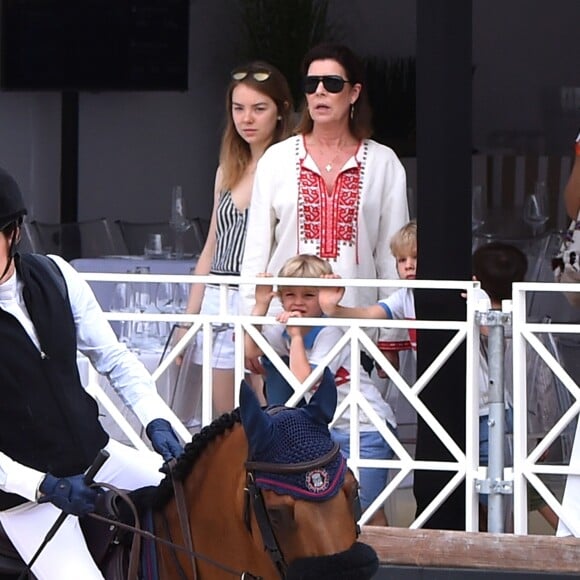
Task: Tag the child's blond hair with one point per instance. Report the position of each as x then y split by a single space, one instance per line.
305 266
404 241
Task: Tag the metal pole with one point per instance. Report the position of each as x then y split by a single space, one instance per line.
496 422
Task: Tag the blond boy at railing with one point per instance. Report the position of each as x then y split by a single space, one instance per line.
399 305
303 348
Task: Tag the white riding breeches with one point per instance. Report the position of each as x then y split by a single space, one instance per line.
66 556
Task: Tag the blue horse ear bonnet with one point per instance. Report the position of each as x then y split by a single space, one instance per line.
297 439
290 436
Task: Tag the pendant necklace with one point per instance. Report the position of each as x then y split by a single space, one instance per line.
330 164
328 167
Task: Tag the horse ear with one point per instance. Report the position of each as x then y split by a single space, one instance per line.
323 403
257 424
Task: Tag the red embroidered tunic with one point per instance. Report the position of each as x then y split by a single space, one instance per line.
292 213
329 219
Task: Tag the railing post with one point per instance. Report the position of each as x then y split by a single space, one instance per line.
496 346
495 485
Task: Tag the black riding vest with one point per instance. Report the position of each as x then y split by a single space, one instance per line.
47 419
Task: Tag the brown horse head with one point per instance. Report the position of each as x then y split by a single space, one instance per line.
307 498
272 497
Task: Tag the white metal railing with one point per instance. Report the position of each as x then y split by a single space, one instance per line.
464 465
527 464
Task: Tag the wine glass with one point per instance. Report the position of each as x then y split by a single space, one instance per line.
164 304
142 302
179 223
180 296
153 246
536 208
122 300
142 296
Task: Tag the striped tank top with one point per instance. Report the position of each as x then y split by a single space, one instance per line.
230 237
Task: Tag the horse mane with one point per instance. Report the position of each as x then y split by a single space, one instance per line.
161 494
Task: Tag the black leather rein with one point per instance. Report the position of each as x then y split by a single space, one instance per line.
139 532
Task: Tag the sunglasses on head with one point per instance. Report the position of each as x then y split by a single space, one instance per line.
258 75
331 83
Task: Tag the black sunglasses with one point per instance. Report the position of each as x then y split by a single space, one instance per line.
258 75
331 83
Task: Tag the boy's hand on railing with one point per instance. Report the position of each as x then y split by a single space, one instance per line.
264 295
329 297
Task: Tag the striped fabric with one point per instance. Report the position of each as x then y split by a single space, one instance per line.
230 237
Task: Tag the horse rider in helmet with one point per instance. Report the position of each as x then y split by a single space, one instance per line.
49 426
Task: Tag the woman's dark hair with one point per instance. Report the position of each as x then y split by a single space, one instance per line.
497 266
360 124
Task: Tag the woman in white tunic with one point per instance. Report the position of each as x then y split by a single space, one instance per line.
330 190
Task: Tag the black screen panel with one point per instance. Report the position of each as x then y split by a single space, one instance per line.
94 44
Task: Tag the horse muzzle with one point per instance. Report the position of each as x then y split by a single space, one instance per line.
359 562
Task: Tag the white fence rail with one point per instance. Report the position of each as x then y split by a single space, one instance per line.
527 464
465 464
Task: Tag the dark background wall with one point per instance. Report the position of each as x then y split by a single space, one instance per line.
134 146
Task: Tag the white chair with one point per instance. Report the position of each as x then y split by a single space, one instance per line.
84 239
508 178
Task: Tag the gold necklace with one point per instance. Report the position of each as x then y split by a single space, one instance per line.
329 165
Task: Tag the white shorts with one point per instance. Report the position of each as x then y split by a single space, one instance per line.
66 556
223 349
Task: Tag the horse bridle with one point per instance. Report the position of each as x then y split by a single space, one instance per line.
138 532
255 501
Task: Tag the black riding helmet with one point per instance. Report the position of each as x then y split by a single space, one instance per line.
11 210
11 203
